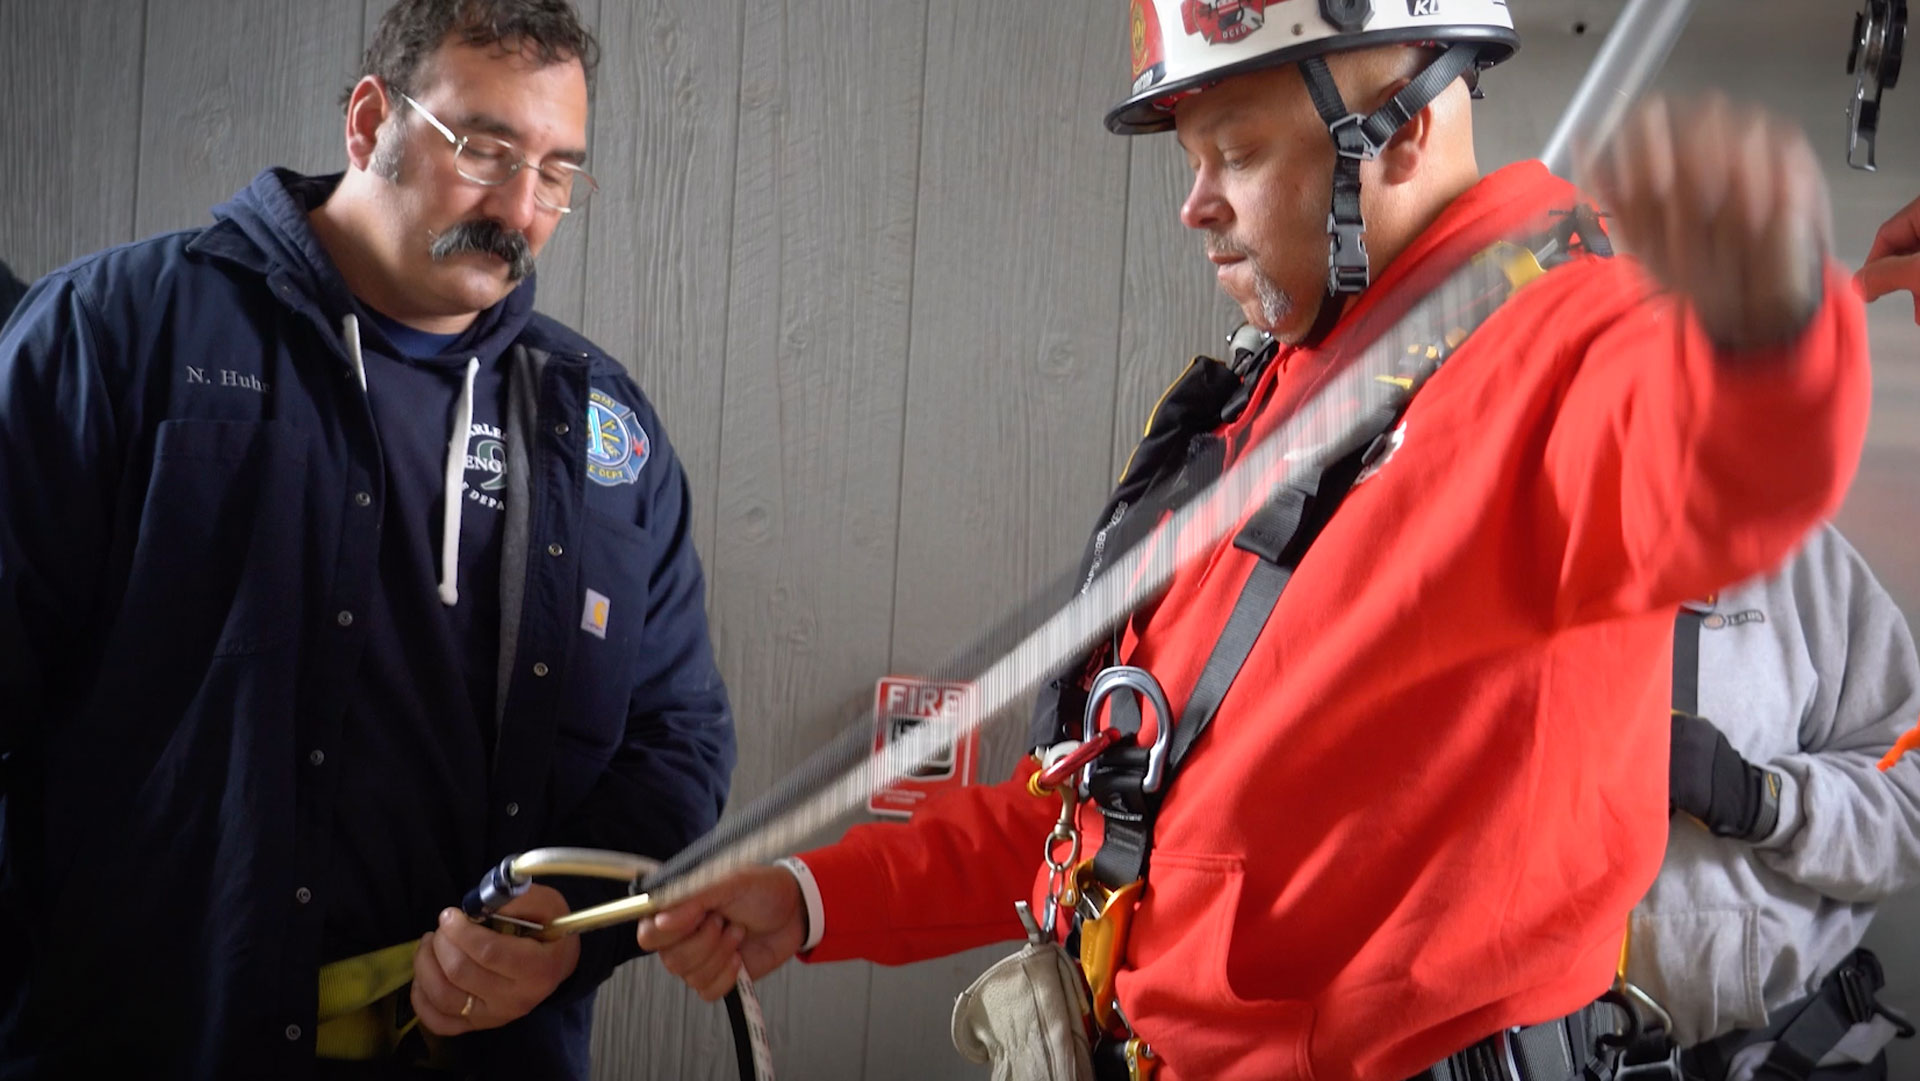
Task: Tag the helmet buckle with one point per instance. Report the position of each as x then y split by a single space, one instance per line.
1350 138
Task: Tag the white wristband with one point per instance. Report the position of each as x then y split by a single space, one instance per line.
810 895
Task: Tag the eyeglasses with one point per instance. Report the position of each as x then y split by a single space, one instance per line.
491 162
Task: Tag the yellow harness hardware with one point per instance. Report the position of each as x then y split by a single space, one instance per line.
360 1004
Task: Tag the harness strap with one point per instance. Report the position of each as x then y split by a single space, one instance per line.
1804 1032
1269 535
1127 810
1177 456
364 1011
1686 662
1358 138
1567 1049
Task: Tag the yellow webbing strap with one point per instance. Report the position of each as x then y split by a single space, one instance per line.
1518 263
358 1009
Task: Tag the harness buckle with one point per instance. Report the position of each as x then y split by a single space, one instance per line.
1347 270
1666 1069
1350 139
1856 995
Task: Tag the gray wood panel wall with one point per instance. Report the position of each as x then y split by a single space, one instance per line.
903 302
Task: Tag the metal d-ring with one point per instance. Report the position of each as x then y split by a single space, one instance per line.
1139 682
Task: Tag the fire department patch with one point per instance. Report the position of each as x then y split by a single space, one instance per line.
617 447
1221 22
1149 62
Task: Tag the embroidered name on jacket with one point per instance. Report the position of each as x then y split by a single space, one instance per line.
617 446
226 377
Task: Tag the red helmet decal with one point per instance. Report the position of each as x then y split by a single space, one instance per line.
1223 21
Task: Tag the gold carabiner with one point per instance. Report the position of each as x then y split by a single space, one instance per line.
1103 938
1140 1061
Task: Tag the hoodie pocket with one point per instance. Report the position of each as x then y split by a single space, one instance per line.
218 558
1183 945
616 560
1703 965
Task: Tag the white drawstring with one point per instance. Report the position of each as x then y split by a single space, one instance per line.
452 485
453 494
350 330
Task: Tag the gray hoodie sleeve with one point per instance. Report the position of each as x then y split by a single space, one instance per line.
1846 829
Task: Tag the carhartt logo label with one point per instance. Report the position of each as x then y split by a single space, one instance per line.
1733 619
593 615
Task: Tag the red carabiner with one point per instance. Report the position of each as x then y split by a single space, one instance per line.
1069 764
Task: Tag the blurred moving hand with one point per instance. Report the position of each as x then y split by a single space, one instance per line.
1725 205
1893 264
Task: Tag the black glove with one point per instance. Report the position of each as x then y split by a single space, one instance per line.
1709 780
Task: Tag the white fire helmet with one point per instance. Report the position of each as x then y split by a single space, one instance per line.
1181 46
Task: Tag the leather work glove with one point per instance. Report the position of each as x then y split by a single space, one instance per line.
1708 779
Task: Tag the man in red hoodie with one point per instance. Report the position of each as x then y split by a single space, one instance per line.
1408 843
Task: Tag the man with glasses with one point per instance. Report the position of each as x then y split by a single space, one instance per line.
330 574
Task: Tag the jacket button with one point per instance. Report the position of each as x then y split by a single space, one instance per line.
363 499
540 668
317 757
561 428
303 895
345 619
293 1032
554 549
512 809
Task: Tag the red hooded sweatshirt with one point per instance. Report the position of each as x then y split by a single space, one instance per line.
1438 785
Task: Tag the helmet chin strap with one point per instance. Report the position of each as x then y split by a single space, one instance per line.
1357 139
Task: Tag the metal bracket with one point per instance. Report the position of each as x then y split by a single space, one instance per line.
1879 40
1348 16
1141 684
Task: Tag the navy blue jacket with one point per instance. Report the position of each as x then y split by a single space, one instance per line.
192 497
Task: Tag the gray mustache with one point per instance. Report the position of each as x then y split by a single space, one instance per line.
487 237
1220 244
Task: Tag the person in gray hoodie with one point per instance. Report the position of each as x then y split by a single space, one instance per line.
1785 835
